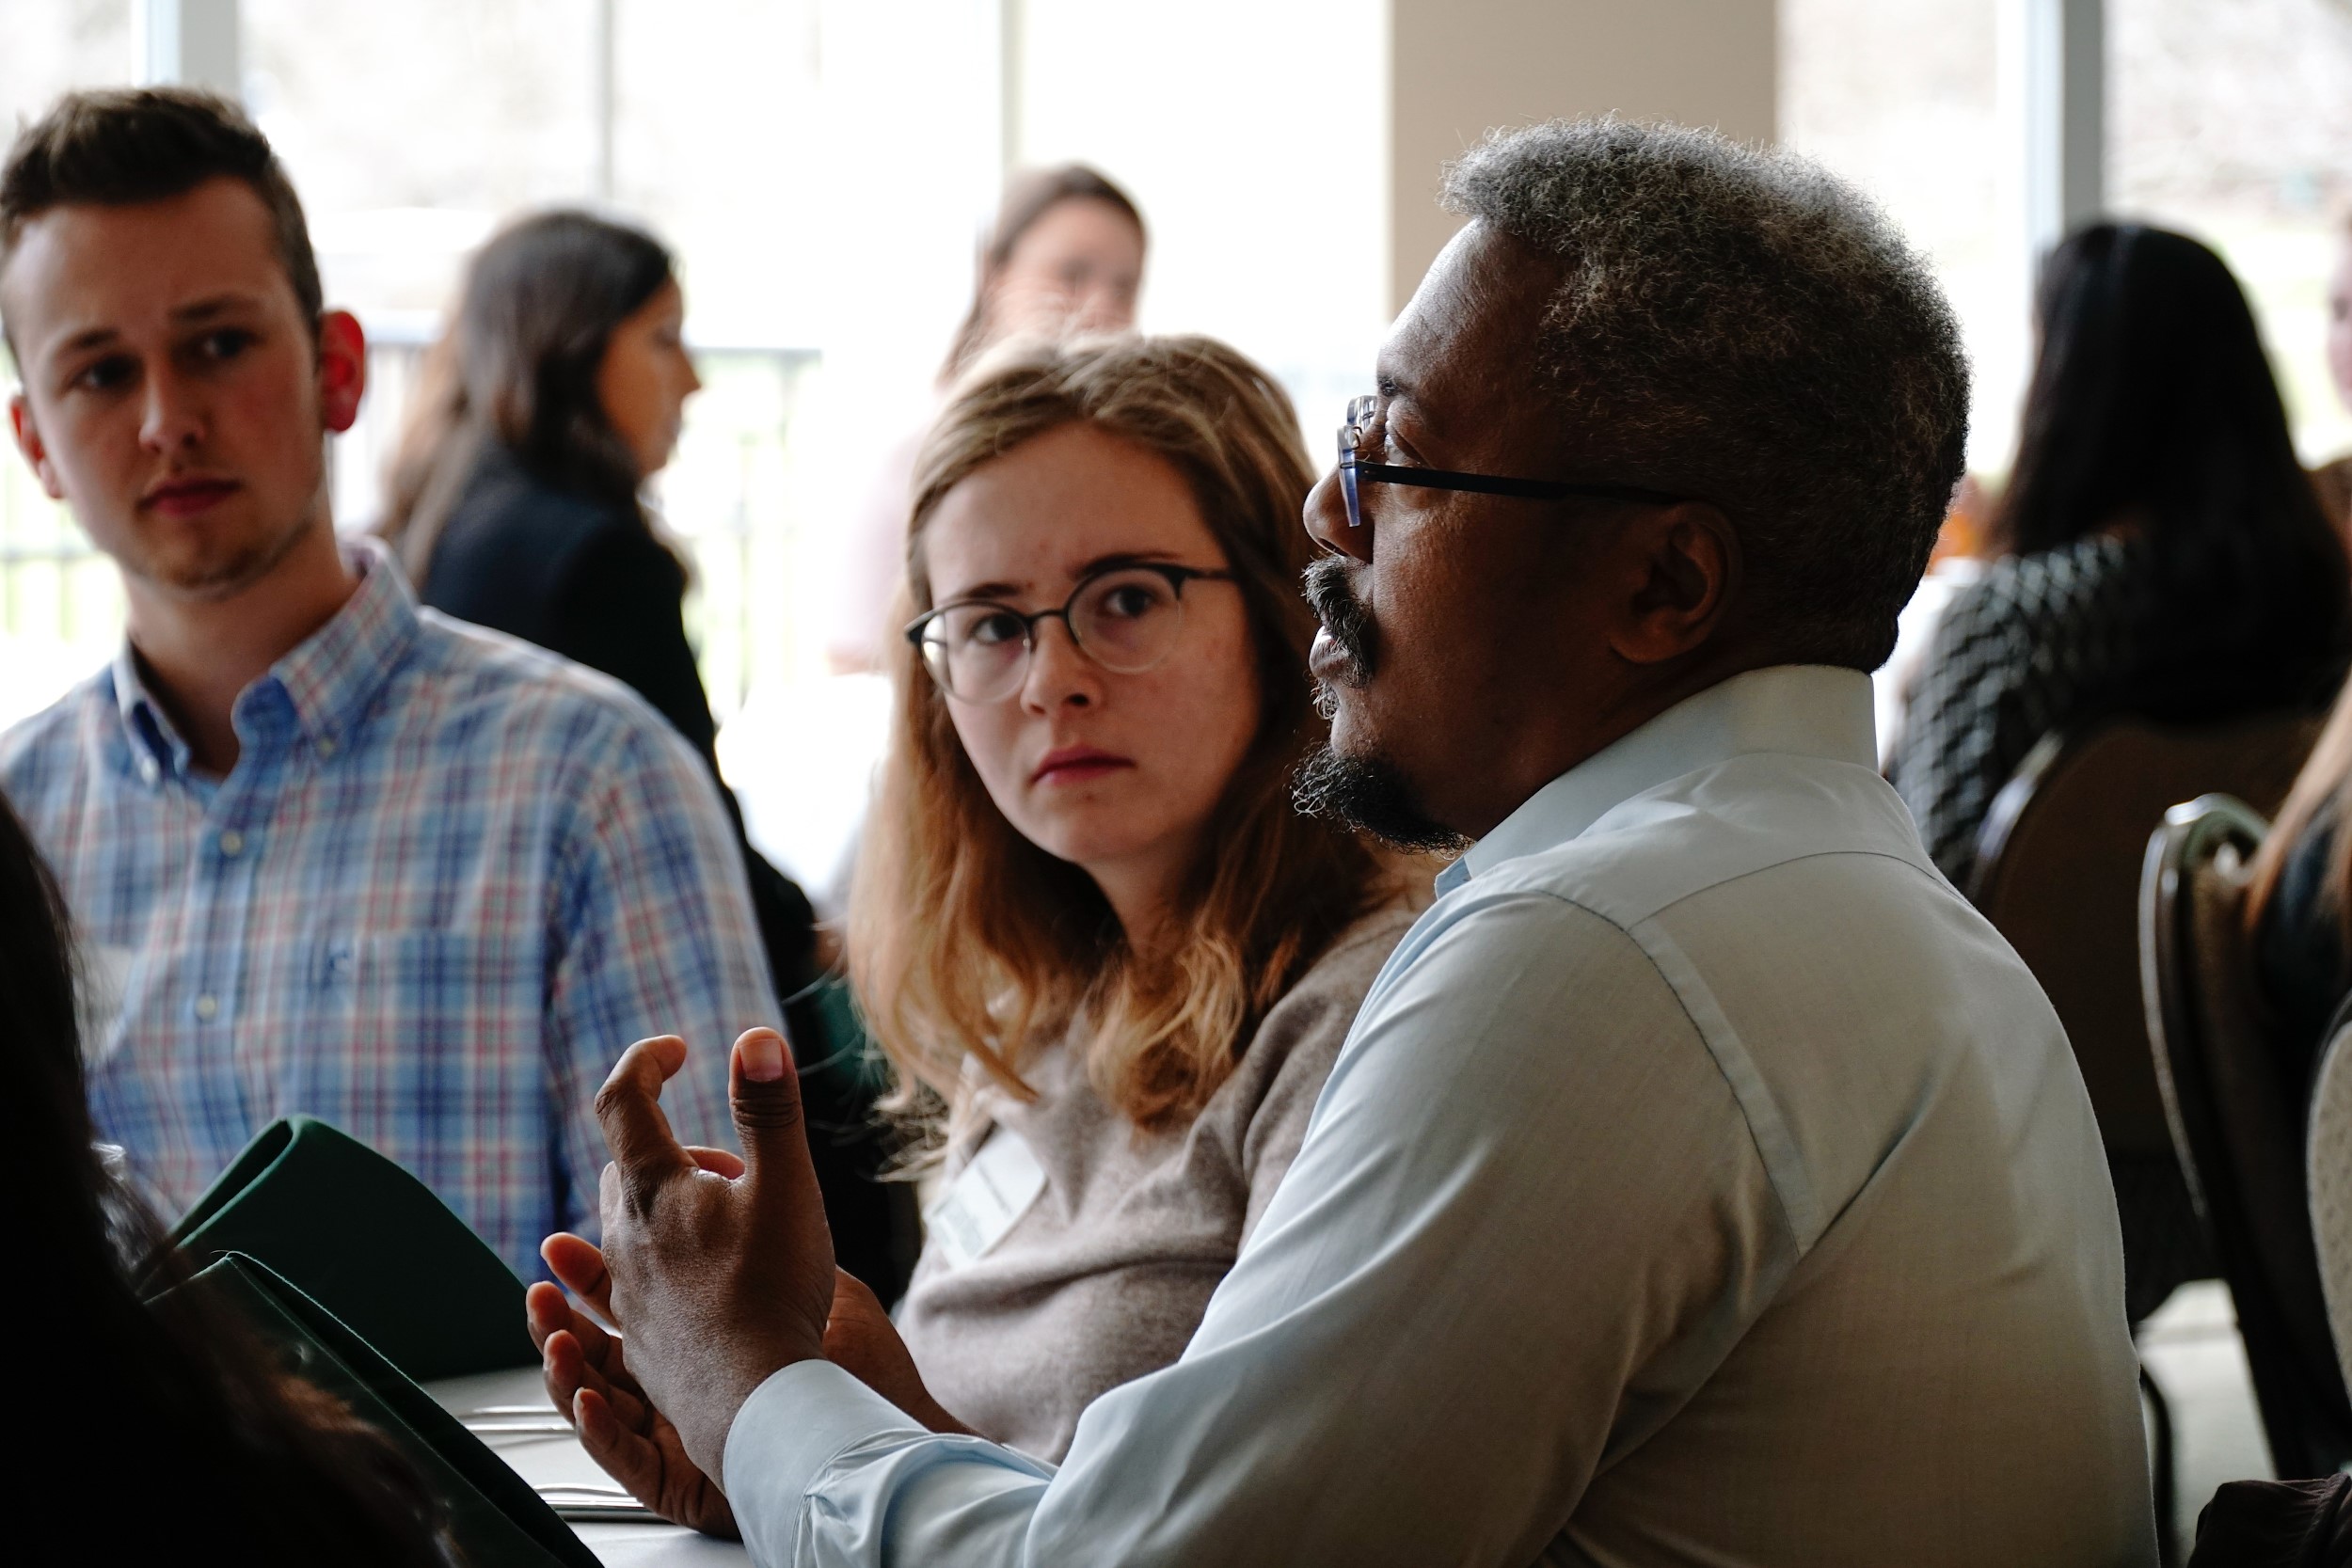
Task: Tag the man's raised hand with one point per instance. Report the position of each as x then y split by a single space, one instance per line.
720 1282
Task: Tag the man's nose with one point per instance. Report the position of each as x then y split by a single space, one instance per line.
1325 517
173 415
1059 671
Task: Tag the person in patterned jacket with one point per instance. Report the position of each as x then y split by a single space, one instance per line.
2159 550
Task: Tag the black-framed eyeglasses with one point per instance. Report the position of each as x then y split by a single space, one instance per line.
1353 472
1124 618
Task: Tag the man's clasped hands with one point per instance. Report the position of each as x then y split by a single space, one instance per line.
718 1270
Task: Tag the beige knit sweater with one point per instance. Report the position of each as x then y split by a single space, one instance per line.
1105 1273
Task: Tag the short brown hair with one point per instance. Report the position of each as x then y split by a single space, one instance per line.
968 943
119 146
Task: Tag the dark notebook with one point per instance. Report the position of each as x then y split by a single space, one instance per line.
371 1244
495 1518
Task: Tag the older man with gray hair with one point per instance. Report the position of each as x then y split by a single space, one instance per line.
1704 1181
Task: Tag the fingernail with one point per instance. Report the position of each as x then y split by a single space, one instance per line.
763 1058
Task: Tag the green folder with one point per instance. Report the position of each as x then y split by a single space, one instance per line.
370 1243
494 1518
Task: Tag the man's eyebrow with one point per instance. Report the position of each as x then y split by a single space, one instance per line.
88 338
210 309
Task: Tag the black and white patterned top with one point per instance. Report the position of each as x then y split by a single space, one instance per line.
2039 641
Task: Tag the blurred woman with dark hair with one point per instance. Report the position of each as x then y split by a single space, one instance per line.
556 395
219 1451
2160 551
558 392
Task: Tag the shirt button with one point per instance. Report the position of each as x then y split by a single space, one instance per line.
325 746
232 844
207 1006
149 769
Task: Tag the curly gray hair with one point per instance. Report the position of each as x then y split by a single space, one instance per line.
1741 324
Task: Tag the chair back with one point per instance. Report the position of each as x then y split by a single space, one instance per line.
2058 873
2237 1126
2327 1166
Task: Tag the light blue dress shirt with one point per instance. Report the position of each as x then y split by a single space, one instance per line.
1704 1181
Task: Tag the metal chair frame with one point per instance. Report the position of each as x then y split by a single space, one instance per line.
2210 1104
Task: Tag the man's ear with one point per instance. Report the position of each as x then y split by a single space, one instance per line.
1695 570
36 451
343 368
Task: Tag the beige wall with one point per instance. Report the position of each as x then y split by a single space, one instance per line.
1459 67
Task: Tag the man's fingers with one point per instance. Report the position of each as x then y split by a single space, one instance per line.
719 1161
561 1366
580 1264
567 1369
546 1312
766 1095
625 1456
629 1107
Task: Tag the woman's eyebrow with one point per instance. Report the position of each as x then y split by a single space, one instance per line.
1109 562
983 591
1117 559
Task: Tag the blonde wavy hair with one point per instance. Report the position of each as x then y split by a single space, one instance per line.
968 943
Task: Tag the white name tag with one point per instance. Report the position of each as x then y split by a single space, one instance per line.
985 1198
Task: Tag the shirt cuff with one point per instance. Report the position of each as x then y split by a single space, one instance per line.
791 1427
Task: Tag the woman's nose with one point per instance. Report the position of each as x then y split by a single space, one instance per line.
1059 671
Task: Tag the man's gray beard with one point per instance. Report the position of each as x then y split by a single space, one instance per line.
1369 795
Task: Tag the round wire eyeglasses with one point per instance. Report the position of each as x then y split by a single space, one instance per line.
1124 618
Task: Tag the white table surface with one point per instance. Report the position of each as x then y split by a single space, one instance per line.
541 1460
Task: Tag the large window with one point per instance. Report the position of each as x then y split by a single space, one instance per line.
1904 100
2233 122
61 612
819 167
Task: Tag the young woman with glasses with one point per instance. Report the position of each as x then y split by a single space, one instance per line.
1089 928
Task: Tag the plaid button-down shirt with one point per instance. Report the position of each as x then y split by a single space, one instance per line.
450 878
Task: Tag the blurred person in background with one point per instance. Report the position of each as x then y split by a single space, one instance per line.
328 853
1957 562
218 1449
2158 551
1089 927
2296 905
1064 258
517 495
516 503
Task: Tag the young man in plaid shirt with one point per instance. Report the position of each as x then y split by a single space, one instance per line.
327 852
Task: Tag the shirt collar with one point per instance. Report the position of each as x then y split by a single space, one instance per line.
328 679
1795 709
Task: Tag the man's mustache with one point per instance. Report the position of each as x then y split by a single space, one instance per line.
1344 616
